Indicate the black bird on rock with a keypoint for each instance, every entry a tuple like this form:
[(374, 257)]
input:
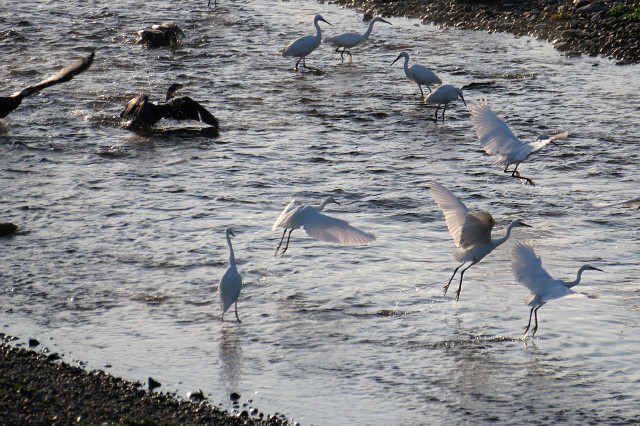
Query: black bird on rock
[(166, 34), (142, 113), (9, 103)]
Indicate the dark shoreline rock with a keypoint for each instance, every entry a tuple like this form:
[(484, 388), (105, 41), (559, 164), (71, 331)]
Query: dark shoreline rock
[(590, 27), (35, 390)]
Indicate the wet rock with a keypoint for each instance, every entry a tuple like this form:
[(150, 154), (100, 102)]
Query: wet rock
[(234, 396), (367, 17), (7, 228), (591, 8), (33, 343), (197, 395), (153, 383)]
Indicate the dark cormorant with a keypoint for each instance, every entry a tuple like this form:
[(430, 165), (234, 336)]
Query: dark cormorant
[(9, 103), (141, 113), (166, 34)]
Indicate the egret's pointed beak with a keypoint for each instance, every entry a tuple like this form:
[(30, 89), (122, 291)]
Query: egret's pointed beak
[(324, 20), (399, 56), (525, 225), (387, 22), (231, 233), (597, 269), (462, 97)]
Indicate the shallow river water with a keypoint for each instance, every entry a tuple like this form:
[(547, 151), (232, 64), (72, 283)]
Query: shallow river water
[(122, 234)]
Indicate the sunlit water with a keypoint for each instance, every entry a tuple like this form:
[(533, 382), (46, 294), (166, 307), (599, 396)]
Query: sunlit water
[(122, 241)]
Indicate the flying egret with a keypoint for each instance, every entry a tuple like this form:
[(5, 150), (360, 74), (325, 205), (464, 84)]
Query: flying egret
[(443, 95), (9, 103), (305, 45), (231, 282), (141, 113), (497, 139), (418, 74), (166, 34), (317, 225), (527, 267), (349, 40), (471, 231)]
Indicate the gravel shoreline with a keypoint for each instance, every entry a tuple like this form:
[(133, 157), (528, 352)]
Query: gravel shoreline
[(36, 388), (575, 27)]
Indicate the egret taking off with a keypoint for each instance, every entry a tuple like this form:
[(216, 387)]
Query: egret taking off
[(443, 95), (231, 282), (349, 40), (317, 225), (527, 267), (471, 231), (305, 45), (418, 74), (497, 139)]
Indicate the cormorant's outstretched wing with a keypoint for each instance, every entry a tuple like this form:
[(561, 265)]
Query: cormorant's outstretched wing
[(139, 112), (9, 103), (185, 108)]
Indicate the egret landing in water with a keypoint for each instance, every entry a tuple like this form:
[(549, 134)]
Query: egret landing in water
[(231, 282), (418, 74), (471, 231), (442, 96), (305, 45), (349, 40), (317, 225), (497, 139), (527, 267), (9, 103)]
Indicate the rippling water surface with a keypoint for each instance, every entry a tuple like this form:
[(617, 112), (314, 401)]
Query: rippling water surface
[(122, 241)]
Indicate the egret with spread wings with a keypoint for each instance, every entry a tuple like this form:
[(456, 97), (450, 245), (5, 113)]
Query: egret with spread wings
[(527, 267), (471, 231), (318, 225), (497, 139)]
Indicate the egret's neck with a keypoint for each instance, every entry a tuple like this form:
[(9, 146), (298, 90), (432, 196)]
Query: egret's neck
[(366, 34), (406, 63), (318, 32), (323, 205), (577, 281), (499, 241), (232, 258)]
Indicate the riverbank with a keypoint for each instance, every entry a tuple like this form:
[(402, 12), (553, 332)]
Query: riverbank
[(37, 388), (607, 28)]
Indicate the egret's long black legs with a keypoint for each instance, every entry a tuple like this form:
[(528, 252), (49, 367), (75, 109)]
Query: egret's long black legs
[(287, 246), (516, 174), (446, 287), (237, 317), (281, 240), (457, 293), (535, 314), (529, 324)]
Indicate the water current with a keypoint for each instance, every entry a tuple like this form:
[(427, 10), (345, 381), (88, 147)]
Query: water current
[(122, 233)]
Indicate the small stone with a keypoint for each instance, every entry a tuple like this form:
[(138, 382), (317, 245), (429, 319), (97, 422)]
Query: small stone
[(234, 396), (7, 228), (153, 383), (198, 395), (367, 17), (33, 343)]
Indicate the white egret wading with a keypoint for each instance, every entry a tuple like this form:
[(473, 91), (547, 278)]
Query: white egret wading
[(418, 74), (231, 282), (349, 40), (497, 139), (305, 45), (527, 267), (471, 231), (317, 225), (443, 95)]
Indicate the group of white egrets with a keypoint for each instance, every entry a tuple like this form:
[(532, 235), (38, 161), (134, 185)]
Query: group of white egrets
[(471, 230)]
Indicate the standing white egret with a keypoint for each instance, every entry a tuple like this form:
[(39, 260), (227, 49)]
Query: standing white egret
[(418, 74), (443, 95), (231, 282), (305, 45), (497, 139), (471, 231), (349, 40), (527, 267), (317, 225)]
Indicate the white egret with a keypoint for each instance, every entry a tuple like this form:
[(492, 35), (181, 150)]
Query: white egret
[(527, 267), (418, 74), (629, 203), (349, 40), (443, 95), (317, 225), (497, 139), (231, 282), (305, 45), (471, 231)]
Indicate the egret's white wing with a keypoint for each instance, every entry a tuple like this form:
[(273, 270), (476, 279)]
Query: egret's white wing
[(476, 229), (494, 134), (229, 288), (332, 230), (455, 213), (299, 46), (285, 215), (528, 270), (557, 292)]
